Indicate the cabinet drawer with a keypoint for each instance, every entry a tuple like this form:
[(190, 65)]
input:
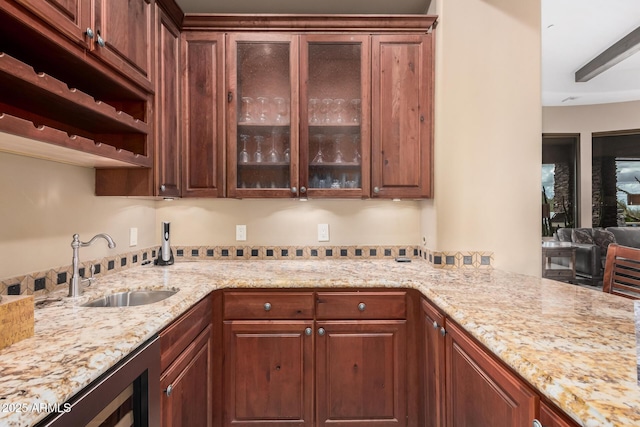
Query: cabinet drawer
[(361, 305), (268, 305), (177, 336)]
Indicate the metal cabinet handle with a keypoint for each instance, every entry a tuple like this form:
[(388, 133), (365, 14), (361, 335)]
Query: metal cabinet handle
[(229, 97), (163, 187), (443, 331), (422, 118), (307, 331), (435, 325), (100, 41), (321, 331), (267, 306), (294, 190), (303, 189), (536, 423), (89, 33), (376, 190), (362, 306), (169, 390)]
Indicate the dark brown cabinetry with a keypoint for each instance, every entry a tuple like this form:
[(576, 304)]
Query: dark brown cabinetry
[(402, 115), (203, 104), (342, 355), (187, 373), (433, 365), (551, 417)]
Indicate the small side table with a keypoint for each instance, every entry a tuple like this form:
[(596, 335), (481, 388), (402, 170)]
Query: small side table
[(553, 270)]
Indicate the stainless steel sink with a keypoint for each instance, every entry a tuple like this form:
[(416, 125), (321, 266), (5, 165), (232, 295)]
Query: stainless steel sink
[(131, 298)]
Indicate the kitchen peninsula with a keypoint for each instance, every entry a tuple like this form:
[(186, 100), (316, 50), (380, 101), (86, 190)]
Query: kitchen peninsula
[(575, 346)]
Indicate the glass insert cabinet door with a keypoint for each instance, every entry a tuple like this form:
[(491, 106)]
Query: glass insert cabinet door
[(263, 118), (334, 116)]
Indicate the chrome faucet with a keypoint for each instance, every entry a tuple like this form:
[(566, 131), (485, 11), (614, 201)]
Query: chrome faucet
[(74, 284)]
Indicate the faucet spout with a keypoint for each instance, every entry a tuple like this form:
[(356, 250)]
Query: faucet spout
[(74, 284)]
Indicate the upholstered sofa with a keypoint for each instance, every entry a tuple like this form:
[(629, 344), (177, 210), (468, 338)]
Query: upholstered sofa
[(591, 247)]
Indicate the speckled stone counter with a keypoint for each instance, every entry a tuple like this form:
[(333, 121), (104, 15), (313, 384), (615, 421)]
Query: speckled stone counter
[(576, 346)]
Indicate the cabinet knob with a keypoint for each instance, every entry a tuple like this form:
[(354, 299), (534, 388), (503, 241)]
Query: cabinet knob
[(435, 325), (321, 331), (362, 306), (89, 33), (422, 118), (537, 423), (100, 41), (303, 189), (229, 96), (163, 187), (307, 331), (443, 331), (376, 190), (294, 190), (267, 306), (169, 390)]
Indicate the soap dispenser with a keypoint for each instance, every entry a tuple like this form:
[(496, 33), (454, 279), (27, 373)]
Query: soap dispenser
[(165, 255)]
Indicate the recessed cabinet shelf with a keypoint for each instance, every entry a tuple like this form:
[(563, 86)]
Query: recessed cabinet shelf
[(66, 116)]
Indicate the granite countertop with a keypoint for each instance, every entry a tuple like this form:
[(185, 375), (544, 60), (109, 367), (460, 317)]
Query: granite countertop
[(577, 346)]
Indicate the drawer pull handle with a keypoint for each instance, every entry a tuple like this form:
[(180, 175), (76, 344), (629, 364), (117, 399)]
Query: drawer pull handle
[(321, 331), (267, 306), (307, 331), (443, 331), (362, 306), (169, 390), (537, 423), (435, 325)]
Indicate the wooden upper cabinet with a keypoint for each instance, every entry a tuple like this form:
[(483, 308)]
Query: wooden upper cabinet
[(167, 107), (262, 115), (72, 18), (402, 116), (203, 103), (126, 30)]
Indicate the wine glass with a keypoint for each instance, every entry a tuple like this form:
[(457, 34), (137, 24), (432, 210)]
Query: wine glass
[(273, 156), (338, 158), (314, 119), (325, 110), (257, 156), (243, 156), (355, 139), (338, 110), (319, 158), (356, 110), (247, 102), (264, 109), (281, 110)]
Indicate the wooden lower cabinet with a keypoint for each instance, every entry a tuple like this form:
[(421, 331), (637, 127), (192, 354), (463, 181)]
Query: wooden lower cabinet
[(268, 373), (361, 373), (187, 386), (433, 366)]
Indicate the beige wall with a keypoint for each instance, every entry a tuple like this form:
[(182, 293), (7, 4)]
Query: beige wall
[(585, 120), (291, 222), (488, 126), (45, 203)]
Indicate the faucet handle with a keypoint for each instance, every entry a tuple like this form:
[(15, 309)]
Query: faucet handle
[(89, 280)]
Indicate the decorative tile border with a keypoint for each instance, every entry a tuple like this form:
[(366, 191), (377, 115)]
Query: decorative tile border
[(43, 282)]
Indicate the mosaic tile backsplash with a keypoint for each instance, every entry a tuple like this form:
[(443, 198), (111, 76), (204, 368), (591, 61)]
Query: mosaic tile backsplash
[(43, 282)]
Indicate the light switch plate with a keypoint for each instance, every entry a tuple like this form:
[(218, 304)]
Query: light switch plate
[(323, 232), (133, 236), (241, 233)]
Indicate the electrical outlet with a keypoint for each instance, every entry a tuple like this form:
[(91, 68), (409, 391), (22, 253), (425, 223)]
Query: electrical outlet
[(241, 233), (133, 236), (323, 232)]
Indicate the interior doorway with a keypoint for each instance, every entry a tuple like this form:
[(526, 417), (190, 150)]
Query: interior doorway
[(560, 172)]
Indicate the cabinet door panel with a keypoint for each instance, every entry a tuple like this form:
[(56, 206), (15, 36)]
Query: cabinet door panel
[(187, 386), (167, 166), (361, 373), (433, 365), (268, 373), (480, 391), (126, 28), (70, 17), (550, 417), (401, 110), (202, 119)]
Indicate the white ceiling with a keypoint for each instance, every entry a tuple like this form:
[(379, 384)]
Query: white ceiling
[(573, 33)]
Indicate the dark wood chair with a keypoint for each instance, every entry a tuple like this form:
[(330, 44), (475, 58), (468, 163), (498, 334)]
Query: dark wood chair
[(622, 271)]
